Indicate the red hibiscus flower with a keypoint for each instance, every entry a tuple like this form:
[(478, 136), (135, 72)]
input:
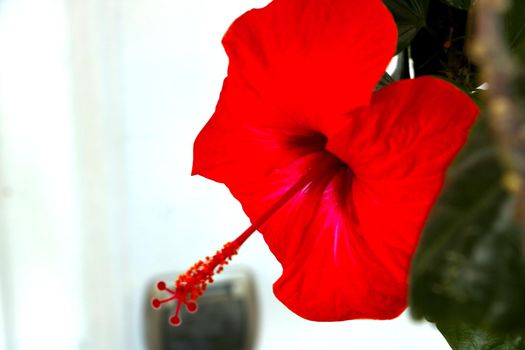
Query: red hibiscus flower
[(338, 179)]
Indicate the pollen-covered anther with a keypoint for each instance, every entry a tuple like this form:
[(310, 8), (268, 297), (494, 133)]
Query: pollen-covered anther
[(191, 285)]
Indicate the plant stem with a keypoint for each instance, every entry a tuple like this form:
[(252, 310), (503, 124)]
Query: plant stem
[(505, 109)]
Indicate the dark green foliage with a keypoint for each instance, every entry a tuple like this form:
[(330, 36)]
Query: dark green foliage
[(439, 48), (468, 275), (459, 4), (385, 80), (462, 337), (470, 266), (410, 18), (515, 28)]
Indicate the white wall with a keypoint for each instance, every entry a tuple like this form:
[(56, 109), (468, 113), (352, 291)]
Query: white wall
[(38, 192), (100, 101)]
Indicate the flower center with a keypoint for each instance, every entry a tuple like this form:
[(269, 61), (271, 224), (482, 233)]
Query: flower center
[(192, 284), (308, 142)]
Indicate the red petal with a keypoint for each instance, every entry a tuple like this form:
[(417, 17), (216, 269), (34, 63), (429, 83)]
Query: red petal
[(244, 140), (313, 57), (295, 66), (399, 149), (330, 271), (412, 129), (346, 252)]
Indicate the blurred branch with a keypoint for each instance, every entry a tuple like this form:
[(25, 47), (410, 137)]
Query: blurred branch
[(506, 113)]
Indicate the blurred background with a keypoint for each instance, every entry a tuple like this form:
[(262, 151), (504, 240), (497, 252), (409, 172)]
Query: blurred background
[(100, 101)]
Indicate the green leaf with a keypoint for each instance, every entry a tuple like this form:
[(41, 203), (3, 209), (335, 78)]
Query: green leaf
[(515, 31), (456, 84), (410, 17), (459, 4), (463, 337), (470, 265), (385, 80), (515, 28)]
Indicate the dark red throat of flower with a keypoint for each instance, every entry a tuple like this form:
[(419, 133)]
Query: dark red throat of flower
[(192, 284)]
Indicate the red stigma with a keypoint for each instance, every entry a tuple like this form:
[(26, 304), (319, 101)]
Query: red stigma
[(175, 321), (155, 303), (161, 285)]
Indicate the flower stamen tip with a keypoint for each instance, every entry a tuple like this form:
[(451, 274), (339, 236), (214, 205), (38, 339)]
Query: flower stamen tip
[(161, 285), (175, 321), (155, 303)]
